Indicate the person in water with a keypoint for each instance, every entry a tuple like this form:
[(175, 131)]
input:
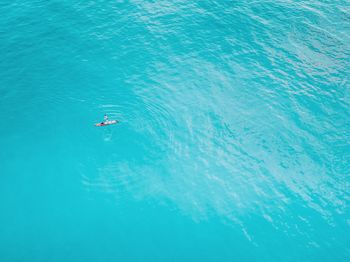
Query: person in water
[(105, 119)]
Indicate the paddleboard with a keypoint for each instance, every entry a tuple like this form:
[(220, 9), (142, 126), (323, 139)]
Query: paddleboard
[(106, 123)]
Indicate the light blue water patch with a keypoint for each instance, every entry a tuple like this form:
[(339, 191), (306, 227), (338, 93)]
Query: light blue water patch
[(233, 142)]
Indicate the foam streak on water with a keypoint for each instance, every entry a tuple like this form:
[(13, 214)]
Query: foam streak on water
[(233, 142)]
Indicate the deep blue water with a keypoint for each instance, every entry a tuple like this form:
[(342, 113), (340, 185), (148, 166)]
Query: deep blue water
[(234, 140)]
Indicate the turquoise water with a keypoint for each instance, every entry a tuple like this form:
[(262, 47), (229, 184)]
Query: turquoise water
[(234, 140)]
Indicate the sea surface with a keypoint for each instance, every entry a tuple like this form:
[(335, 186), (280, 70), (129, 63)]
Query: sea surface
[(234, 134)]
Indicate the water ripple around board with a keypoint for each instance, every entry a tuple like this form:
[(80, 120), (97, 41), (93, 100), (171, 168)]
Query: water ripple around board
[(220, 155)]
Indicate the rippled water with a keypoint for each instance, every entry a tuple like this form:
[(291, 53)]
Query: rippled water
[(234, 138)]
